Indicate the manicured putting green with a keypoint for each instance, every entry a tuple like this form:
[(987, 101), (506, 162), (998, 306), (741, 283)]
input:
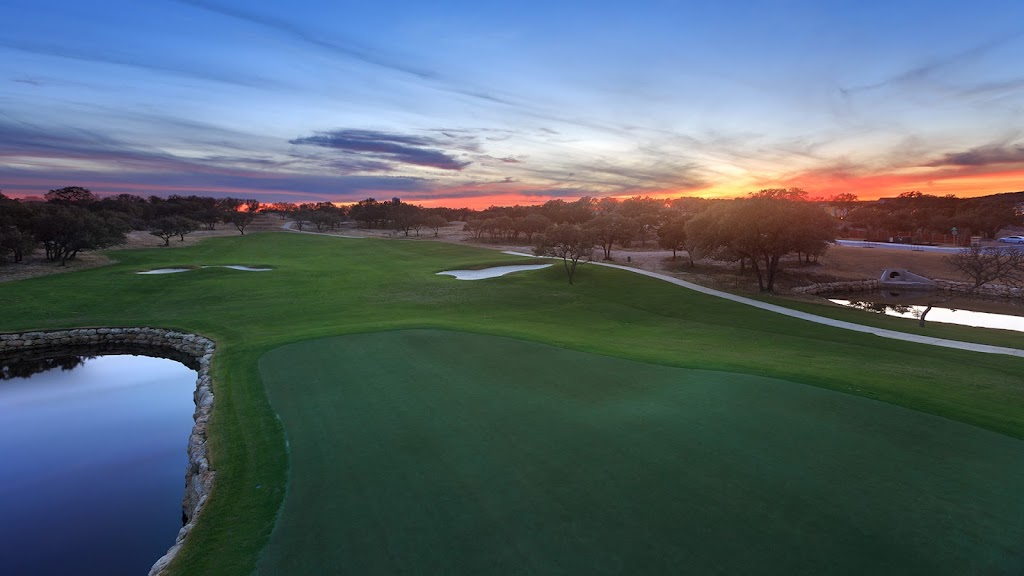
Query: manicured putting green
[(434, 452)]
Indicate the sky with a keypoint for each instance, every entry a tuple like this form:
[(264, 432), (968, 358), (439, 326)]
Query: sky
[(499, 103)]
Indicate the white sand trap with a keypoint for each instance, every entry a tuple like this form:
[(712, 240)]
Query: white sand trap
[(243, 268), (490, 272), (165, 271), (232, 266)]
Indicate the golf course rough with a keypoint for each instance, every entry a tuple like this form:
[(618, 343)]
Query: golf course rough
[(435, 452)]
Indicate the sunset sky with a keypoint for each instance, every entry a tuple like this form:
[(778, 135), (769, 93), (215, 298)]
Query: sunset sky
[(479, 103)]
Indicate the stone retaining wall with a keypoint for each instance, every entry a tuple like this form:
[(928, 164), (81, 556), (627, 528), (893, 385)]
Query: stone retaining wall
[(832, 287), (198, 475), (995, 291)]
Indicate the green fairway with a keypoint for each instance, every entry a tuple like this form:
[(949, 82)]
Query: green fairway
[(433, 452), (325, 287)]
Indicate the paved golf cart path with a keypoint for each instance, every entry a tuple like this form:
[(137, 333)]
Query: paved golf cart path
[(882, 332), (893, 334)]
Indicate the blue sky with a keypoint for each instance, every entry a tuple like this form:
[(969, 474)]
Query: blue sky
[(464, 103)]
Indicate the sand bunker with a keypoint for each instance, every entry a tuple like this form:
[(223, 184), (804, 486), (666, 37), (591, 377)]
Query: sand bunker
[(232, 266), (490, 272), (242, 268), (165, 271)]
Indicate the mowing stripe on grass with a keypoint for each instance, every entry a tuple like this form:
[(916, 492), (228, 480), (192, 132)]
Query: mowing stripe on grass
[(433, 452)]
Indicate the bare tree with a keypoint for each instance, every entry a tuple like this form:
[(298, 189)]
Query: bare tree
[(983, 266)]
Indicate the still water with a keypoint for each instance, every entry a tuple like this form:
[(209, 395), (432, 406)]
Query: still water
[(939, 314), (92, 464)]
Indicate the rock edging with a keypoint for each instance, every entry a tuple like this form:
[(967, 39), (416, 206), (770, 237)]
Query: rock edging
[(990, 290), (831, 287), (199, 475)]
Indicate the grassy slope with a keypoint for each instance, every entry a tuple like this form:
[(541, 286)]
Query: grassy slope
[(329, 286), (448, 453)]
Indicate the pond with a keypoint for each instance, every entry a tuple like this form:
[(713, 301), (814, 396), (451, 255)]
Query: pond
[(94, 457), (947, 313)]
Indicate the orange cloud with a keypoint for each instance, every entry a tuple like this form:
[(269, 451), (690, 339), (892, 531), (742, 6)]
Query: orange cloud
[(963, 182)]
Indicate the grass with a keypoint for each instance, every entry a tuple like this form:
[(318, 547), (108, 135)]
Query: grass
[(436, 452), (323, 287)]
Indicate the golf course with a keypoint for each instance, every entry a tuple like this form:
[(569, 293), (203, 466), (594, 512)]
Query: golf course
[(373, 417)]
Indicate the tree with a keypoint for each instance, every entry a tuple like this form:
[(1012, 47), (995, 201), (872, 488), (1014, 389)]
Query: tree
[(404, 217), (474, 227), (171, 226), (843, 203), (240, 213), (435, 222), (986, 215), (609, 229), (648, 213), (983, 266), (65, 230), (761, 229), (75, 195), (672, 235), (187, 226), (532, 224), (15, 229), (570, 243), (793, 194), (16, 242), (813, 231), (164, 229), (368, 213), (323, 219)]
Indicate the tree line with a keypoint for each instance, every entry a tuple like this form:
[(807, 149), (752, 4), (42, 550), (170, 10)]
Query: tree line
[(758, 230), (915, 214), (369, 213), (73, 219)]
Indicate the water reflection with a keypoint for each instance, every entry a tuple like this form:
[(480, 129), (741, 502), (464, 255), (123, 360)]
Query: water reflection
[(94, 454), (939, 314), (879, 307)]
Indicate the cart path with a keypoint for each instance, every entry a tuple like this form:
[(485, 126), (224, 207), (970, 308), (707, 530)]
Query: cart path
[(882, 332)]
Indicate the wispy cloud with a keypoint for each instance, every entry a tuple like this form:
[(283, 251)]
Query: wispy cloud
[(385, 146), (936, 65), (31, 81), (84, 54), (983, 156), (348, 49)]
